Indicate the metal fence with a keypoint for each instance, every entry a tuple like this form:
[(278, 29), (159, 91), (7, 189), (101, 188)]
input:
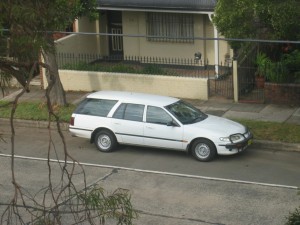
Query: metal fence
[(3, 45), (141, 65), (266, 62), (247, 90)]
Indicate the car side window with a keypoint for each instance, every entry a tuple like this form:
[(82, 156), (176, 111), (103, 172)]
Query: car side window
[(157, 115), (95, 107), (133, 112)]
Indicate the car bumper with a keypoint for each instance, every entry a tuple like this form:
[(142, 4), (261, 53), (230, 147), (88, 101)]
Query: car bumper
[(233, 148)]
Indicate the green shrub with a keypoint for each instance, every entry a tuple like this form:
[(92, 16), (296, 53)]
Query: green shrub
[(294, 218), (292, 63), (82, 66), (287, 70), (153, 69), (277, 72), (120, 68), (292, 60), (116, 68)]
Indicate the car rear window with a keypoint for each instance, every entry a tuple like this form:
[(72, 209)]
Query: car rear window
[(95, 107)]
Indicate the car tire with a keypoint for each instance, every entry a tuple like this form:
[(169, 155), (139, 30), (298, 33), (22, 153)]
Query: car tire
[(203, 150), (105, 141)]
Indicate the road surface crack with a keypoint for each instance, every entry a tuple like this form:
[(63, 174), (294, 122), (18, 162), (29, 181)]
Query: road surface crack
[(178, 218)]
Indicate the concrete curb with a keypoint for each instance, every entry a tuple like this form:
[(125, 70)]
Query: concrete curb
[(35, 124), (262, 144), (277, 146)]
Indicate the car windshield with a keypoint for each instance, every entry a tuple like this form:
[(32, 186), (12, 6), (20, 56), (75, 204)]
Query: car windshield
[(185, 112)]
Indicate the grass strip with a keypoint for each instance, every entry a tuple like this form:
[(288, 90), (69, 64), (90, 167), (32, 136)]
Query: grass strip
[(35, 111), (273, 131)]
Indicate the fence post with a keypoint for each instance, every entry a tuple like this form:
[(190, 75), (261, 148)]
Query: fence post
[(235, 81)]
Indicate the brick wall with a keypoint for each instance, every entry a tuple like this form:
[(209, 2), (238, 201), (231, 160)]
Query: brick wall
[(282, 93)]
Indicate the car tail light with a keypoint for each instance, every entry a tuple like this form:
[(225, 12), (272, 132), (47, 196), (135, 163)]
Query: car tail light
[(72, 121)]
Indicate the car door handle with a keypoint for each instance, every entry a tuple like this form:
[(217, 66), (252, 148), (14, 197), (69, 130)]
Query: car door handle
[(116, 123), (149, 127)]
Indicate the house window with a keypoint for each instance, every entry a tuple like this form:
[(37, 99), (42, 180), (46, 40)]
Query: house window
[(170, 27)]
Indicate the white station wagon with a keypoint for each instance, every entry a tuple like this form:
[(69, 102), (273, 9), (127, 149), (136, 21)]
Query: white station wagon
[(111, 117)]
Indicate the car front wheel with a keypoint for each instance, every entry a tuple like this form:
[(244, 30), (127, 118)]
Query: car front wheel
[(203, 150), (105, 141)]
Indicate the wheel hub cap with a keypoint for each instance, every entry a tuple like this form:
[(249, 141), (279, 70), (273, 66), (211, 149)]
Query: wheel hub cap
[(104, 141), (202, 151)]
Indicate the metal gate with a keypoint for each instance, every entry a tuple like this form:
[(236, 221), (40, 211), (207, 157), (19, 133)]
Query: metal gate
[(222, 85), (249, 90)]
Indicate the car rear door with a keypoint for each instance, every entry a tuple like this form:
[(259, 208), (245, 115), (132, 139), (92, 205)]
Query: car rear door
[(127, 123)]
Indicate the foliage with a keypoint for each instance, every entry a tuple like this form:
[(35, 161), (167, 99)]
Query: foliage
[(258, 19), (97, 201), (118, 68), (269, 18), (30, 25), (115, 67), (231, 19), (261, 61), (153, 69), (277, 72), (4, 81), (99, 204), (286, 70), (280, 21), (294, 218), (292, 63)]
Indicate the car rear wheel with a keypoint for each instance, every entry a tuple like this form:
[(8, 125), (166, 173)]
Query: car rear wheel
[(105, 141), (203, 150)]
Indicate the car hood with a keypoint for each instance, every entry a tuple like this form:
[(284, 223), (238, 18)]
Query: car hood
[(220, 126)]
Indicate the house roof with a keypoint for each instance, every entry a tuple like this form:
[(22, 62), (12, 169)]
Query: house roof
[(174, 5)]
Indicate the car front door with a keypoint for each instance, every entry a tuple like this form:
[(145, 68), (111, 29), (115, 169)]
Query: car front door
[(160, 129)]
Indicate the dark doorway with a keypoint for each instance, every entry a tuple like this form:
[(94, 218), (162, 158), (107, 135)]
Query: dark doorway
[(115, 27)]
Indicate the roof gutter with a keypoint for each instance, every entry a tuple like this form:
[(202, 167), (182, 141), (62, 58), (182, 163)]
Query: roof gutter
[(155, 10)]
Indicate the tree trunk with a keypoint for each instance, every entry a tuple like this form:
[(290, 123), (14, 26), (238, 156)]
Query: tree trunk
[(55, 88)]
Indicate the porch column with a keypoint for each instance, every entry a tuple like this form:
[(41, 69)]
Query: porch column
[(216, 46)]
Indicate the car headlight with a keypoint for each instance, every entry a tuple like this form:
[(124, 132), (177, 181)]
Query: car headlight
[(232, 138), (225, 139)]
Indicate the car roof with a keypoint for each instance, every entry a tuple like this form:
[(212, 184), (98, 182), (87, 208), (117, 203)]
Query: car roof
[(134, 97)]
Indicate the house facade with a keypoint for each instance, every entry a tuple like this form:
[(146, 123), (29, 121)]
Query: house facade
[(179, 29)]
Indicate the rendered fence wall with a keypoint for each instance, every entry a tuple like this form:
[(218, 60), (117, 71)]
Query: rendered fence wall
[(182, 87)]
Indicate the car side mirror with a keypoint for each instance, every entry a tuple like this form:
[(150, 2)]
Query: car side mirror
[(172, 123)]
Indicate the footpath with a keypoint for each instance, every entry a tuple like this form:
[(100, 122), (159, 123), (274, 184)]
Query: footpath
[(218, 107)]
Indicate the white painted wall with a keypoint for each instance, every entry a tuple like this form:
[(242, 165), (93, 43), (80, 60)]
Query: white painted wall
[(135, 23), (81, 43), (182, 87)]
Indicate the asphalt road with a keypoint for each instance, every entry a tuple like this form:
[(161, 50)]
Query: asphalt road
[(169, 187), (254, 165)]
